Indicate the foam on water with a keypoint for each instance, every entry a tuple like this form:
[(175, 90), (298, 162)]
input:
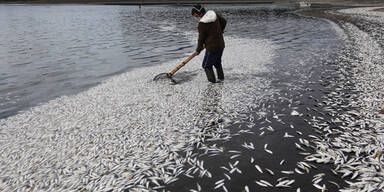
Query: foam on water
[(127, 130)]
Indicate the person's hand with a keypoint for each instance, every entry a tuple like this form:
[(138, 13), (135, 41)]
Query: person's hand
[(197, 53)]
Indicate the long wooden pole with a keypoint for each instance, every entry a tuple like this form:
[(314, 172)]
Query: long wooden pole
[(182, 64)]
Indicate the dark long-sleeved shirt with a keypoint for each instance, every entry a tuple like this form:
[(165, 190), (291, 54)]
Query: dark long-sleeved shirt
[(211, 27)]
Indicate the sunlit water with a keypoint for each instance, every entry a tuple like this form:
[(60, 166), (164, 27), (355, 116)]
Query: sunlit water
[(49, 51)]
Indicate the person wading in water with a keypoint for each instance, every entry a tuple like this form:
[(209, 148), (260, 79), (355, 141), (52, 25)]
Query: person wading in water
[(211, 28)]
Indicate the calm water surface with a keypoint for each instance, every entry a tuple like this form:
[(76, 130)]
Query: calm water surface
[(48, 51)]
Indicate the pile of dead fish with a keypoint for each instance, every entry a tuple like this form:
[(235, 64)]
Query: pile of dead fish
[(353, 141), (128, 132)]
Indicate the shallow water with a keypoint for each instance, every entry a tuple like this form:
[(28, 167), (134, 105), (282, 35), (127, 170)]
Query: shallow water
[(97, 134), (49, 51), (305, 46)]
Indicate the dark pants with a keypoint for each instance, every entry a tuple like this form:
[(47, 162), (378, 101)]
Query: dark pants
[(212, 59)]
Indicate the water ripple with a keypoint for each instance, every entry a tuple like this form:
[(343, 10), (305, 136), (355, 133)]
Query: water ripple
[(67, 47)]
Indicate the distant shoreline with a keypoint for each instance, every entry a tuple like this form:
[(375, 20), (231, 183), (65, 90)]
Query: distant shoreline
[(379, 10), (143, 2), (315, 3)]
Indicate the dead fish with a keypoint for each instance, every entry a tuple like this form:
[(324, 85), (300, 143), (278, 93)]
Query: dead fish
[(287, 135), (269, 171), (295, 113), (198, 187), (227, 176), (317, 180), (225, 168), (334, 183), (219, 185), (298, 171), (259, 169), (322, 188), (288, 172), (219, 181), (285, 183), (246, 188), (355, 174), (267, 150), (264, 183), (224, 188), (261, 184), (234, 156), (270, 128), (299, 147), (248, 146), (346, 173)]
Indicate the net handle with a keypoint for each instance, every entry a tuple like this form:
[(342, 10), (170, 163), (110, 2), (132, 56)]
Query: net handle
[(182, 64)]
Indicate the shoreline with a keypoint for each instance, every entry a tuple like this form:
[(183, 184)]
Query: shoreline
[(117, 2)]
